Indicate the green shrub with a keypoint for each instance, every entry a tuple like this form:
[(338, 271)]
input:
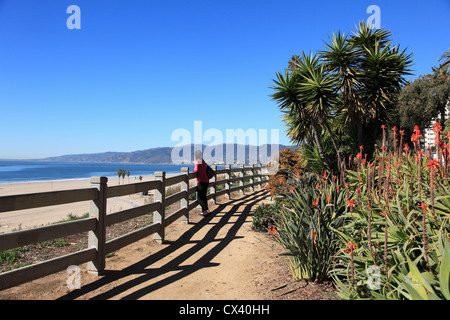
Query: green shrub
[(264, 217)]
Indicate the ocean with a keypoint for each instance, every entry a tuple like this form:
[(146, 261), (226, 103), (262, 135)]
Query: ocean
[(32, 170)]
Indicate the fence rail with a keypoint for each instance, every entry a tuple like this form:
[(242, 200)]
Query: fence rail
[(98, 220)]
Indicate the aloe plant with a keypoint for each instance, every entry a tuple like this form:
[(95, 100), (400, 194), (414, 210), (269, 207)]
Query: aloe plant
[(305, 224), (401, 227)]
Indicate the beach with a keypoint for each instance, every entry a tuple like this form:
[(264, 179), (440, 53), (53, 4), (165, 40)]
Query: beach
[(30, 218)]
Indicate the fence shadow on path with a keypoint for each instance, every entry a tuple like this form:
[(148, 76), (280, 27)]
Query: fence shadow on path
[(240, 207)]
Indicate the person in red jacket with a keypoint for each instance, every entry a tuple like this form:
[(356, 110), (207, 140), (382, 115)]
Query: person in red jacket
[(202, 182)]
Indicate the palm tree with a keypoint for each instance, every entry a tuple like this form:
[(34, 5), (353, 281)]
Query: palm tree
[(446, 64), (123, 175), (119, 173), (355, 79), (305, 95), (370, 72), (320, 94)]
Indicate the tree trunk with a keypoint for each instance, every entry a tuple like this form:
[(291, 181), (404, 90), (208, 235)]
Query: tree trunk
[(319, 147), (334, 145), (360, 133)]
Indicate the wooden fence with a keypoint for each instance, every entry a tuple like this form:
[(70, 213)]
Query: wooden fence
[(98, 220)]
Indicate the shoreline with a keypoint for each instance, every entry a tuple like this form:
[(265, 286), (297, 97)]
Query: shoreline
[(37, 186), (36, 217)]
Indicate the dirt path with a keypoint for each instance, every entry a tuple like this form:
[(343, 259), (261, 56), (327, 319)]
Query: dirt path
[(213, 257)]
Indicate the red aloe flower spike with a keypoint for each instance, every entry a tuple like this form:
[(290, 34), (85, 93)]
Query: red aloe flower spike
[(433, 165), (314, 234), (394, 129), (402, 133), (423, 206), (369, 230), (419, 173), (385, 242), (351, 247), (351, 204), (315, 202), (424, 231), (416, 129)]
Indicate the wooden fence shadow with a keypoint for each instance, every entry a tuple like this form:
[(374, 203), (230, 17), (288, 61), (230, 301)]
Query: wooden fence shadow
[(244, 204)]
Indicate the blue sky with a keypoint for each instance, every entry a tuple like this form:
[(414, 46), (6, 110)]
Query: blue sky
[(138, 70)]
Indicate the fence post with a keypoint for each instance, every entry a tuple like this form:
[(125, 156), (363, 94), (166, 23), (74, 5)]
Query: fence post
[(252, 179), (241, 182), (258, 173), (159, 216), (227, 178), (185, 201), (213, 188), (255, 179), (97, 237)]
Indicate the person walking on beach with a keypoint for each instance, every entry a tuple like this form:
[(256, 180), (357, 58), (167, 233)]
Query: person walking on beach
[(202, 182)]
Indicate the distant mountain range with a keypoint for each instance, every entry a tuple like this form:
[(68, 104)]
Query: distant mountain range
[(218, 154)]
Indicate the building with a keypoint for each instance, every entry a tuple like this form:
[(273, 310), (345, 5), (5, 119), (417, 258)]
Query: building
[(429, 134)]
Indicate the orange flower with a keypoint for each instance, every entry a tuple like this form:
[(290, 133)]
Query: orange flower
[(315, 202), (351, 204), (416, 137), (423, 206), (433, 164), (314, 234), (351, 247), (328, 198), (273, 231), (437, 127), (406, 148)]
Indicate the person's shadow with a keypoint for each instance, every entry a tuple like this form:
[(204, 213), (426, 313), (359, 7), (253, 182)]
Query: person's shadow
[(245, 204)]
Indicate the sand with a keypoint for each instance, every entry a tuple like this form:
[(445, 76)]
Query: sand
[(30, 218)]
